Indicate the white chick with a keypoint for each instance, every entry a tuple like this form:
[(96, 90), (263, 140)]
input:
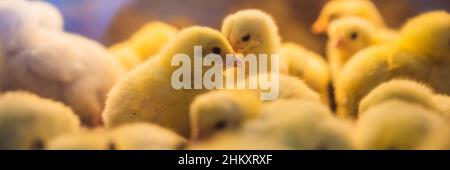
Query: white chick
[(421, 54), (146, 94), (29, 122), (347, 36), (53, 64), (399, 125)]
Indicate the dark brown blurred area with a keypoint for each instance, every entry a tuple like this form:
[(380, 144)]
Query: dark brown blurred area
[(294, 17)]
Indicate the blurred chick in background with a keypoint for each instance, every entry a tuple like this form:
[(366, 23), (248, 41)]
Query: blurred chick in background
[(336, 9), (255, 32), (29, 122), (146, 94), (49, 16), (143, 44), (421, 53), (54, 64), (347, 36), (399, 125)]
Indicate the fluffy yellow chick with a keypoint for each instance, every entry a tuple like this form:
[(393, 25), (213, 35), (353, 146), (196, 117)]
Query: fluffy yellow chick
[(341, 8), (308, 65), (347, 36), (396, 124), (255, 32), (421, 53), (302, 124), (400, 89), (29, 122), (222, 109), (96, 139), (443, 103), (145, 43), (144, 136), (146, 93), (125, 55)]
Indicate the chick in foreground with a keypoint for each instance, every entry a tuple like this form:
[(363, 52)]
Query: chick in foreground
[(255, 32), (96, 139), (145, 136), (146, 94), (336, 9), (421, 53), (29, 122), (143, 44), (399, 125), (49, 15), (54, 64), (347, 36)]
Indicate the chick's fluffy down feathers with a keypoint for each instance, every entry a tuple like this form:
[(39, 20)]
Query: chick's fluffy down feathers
[(27, 120)]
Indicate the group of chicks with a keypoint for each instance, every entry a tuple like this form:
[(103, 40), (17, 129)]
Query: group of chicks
[(59, 90)]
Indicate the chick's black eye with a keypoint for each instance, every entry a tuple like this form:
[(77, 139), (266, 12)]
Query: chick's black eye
[(245, 38), (220, 125), (216, 50), (354, 35)]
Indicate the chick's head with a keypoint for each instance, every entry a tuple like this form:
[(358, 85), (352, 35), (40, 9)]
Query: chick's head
[(350, 33), (427, 34), (220, 110), (252, 32), (342, 8), (208, 40)]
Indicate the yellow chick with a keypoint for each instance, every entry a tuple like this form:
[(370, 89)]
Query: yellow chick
[(146, 93), (144, 136), (29, 122), (255, 32), (399, 125), (96, 139), (143, 44), (400, 89), (222, 109), (347, 36), (308, 65), (125, 56), (443, 104), (336, 9), (421, 53), (302, 124)]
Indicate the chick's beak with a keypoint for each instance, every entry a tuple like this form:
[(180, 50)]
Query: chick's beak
[(319, 26)]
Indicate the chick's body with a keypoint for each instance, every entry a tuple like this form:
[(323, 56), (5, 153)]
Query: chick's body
[(144, 44), (146, 94), (408, 126), (54, 64), (29, 122), (420, 54)]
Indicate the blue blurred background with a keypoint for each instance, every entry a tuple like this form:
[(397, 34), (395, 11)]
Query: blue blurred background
[(111, 21)]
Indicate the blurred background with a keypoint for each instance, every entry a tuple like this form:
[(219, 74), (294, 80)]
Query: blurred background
[(111, 21)]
